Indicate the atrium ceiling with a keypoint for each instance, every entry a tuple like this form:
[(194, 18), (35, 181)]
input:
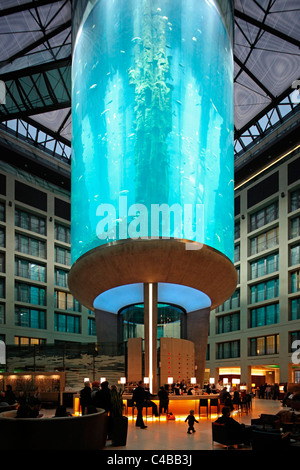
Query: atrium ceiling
[(36, 60)]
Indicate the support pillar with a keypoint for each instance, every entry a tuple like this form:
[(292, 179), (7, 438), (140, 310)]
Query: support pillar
[(150, 322), (197, 331)]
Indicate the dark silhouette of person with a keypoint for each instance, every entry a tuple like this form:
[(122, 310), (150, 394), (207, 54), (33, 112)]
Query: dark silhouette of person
[(61, 412), (191, 420), (148, 403), (231, 424), (23, 411), (163, 400), (102, 397), (138, 398), (85, 397), (9, 395)]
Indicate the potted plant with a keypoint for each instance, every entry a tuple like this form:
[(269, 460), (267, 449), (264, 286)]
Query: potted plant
[(118, 422)]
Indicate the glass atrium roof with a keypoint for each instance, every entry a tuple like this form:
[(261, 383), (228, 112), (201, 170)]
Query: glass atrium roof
[(35, 64)]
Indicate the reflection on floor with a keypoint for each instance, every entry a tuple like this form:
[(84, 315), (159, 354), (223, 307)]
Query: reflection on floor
[(172, 435)]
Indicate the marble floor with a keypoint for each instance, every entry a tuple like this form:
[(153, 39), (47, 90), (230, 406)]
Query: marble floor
[(172, 435)]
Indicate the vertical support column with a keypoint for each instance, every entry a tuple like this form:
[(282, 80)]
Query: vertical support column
[(150, 322), (197, 331)]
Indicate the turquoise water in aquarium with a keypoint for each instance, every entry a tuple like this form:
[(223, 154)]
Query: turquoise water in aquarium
[(152, 123)]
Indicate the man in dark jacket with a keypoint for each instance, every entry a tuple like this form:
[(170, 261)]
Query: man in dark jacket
[(138, 399), (85, 397), (103, 397)]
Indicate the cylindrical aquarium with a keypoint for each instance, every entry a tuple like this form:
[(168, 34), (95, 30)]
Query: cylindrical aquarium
[(152, 122)]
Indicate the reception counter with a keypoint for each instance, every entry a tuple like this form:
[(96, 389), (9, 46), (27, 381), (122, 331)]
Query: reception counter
[(180, 406)]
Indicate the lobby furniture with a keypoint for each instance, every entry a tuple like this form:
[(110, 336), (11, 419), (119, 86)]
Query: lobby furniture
[(86, 432), (270, 440), (50, 399), (214, 403), (294, 402), (3, 409), (227, 437), (267, 421), (203, 403)]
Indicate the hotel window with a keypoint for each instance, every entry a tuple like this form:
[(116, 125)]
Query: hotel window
[(30, 294), (295, 227), (266, 315), (238, 274), (30, 222), (62, 233), (30, 246), (66, 323), (295, 200), (2, 212), (30, 318), (228, 350), (2, 314), (295, 281), (228, 323), (91, 327), (236, 253), (208, 352), (66, 301), (61, 278), (62, 256), (232, 303), (237, 230), (23, 341), (2, 262), (264, 345), (264, 216), (264, 241), (294, 255), (264, 291), (263, 266), (2, 237), (295, 309), (30, 270), (2, 288)]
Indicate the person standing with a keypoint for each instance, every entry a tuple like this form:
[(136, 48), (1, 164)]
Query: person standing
[(9, 396), (163, 400), (103, 397), (85, 397), (138, 398)]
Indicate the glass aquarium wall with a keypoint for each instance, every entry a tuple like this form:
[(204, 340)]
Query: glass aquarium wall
[(152, 123)]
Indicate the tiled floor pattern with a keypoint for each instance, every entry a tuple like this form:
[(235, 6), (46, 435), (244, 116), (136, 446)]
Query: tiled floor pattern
[(172, 435)]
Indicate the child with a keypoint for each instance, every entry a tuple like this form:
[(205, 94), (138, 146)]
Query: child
[(191, 420)]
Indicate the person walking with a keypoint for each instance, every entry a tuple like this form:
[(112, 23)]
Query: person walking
[(191, 420), (138, 398)]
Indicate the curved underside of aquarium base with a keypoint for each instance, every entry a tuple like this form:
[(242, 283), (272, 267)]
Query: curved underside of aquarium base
[(174, 261)]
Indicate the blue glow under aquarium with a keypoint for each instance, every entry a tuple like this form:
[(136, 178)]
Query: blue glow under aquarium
[(152, 120)]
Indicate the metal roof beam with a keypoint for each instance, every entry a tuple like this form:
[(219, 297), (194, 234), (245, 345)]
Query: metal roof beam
[(22, 114), (25, 6), (265, 27), (36, 69), (37, 43), (277, 101), (253, 77)]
